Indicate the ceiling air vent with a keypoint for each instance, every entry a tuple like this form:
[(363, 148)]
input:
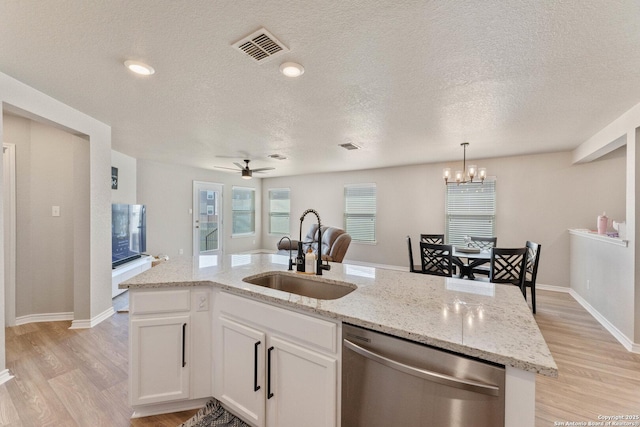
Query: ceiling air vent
[(350, 146), (277, 156), (261, 45)]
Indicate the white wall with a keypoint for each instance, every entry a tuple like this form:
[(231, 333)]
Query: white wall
[(91, 236), (44, 177), (127, 178), (167, 192), (539, 197)]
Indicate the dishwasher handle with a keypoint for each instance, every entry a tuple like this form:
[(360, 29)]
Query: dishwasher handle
[(463, 384)]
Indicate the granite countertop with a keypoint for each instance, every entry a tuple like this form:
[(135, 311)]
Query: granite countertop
[(484, 320)]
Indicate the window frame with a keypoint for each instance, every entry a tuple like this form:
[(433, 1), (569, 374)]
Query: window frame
[(273, 214), (483, 210), (252, 211), (355, 238)]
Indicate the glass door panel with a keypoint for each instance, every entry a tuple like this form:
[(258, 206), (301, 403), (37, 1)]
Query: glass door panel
[(207, 216)]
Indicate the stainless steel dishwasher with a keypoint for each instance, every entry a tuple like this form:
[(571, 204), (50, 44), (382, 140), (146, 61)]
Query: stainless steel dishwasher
[(388, 381)]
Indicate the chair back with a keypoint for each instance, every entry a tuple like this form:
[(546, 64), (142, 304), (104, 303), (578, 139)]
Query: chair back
[(436, 239), (508, 266), (483, 243), (533, 258), (436, 259), (411, 268)]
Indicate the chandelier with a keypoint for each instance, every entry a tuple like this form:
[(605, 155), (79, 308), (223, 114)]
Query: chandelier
[(467, 174)]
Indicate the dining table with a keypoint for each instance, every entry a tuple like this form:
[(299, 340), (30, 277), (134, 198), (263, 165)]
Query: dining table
[(469, 258)]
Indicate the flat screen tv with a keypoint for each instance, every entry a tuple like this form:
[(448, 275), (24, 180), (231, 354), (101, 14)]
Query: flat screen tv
[(128, 233)]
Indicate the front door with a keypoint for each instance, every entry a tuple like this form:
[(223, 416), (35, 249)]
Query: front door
[(207, 218)]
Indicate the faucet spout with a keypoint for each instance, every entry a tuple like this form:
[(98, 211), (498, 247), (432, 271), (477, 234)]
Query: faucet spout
[(319, 257), (290, 254)]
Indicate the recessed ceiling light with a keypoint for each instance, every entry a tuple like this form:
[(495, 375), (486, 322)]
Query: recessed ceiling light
[(139, 68), (291, 69)]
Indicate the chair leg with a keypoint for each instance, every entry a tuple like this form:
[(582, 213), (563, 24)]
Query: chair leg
[(533, 299)]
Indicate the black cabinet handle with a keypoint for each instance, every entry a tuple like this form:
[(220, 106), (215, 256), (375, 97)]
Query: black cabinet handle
[(184, 338), (269, 394), (256, 387)]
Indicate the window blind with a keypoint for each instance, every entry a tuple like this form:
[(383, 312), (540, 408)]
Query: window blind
[(279, 211), (470, 211), (243, 211), (360, 212)]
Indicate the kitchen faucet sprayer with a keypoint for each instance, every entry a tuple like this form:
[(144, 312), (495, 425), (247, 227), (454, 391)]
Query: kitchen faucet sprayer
[(300, 258)]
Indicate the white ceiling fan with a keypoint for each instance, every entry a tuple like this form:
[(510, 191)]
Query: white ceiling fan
[(247, 173)]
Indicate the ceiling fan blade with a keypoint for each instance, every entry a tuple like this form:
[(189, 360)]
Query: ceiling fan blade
[(238, 165), (222, 167), (262, 169)]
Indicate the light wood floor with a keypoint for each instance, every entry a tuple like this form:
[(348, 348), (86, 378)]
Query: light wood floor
[(79, 377)]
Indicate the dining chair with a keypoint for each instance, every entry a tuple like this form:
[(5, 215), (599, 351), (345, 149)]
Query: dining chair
[(436, 259), (412, 267), (508, 265), (484, 244), (436, 239), (531, 272)]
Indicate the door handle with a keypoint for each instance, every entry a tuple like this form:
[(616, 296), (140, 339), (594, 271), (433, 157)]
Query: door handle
[(269, 394), (256, 387), (436, 377), (184, 338)]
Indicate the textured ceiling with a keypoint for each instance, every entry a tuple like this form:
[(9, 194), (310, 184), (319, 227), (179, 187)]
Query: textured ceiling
[(406, 80)]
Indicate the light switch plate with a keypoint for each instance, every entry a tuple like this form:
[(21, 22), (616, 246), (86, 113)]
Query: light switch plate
[(55, 210)]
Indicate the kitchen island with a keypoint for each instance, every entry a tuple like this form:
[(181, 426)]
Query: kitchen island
[(481, 320)]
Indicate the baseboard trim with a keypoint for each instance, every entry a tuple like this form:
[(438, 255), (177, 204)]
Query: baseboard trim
[(613, 330), (5, 376), (166, 408), (90, 323), (43, 317), (376, 265)]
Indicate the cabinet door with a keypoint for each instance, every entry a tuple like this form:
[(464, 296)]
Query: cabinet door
[(303, 384), (239, 369), (158, 349)]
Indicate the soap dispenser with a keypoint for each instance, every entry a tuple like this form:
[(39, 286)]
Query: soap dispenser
[(310, 261), (300, 259)]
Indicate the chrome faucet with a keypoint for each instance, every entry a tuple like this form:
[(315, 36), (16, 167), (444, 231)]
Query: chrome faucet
[(290, 254), (300, 255)]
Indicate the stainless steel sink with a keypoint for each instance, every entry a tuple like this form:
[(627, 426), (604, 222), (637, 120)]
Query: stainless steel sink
[(299, 284)]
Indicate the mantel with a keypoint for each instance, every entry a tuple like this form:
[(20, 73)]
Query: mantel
[(599, 237)]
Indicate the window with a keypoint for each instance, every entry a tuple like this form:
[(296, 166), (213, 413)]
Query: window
[(360, 212), (470, 211), (279, 211), (243, 210)]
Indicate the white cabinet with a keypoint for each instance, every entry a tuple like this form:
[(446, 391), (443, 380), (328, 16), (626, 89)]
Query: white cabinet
[(275, 367), (158, 358), (169, 347), (303, 386)]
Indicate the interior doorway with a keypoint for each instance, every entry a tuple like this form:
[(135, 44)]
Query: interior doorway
[(9, 204), (207, 218)]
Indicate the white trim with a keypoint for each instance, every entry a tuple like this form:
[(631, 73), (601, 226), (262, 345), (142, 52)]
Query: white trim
[(87, 324), (10, 255), (553, 288), (169, 407), (376, 265), (43, 317), (599, 237), (5, 376), (617, 334)]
